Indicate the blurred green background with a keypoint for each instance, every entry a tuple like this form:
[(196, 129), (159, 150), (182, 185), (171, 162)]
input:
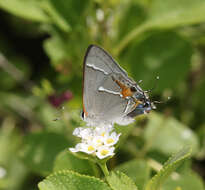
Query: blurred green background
[(42, 45)]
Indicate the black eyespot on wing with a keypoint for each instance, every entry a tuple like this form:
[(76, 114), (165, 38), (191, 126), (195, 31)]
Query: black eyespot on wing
[(82, 114)]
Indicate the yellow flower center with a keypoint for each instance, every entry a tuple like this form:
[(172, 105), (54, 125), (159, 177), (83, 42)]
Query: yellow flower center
[(103, 134), (91, 148), (109, 141), (99, 142), (104, 152)]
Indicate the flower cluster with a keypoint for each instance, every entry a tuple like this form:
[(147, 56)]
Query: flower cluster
[(98, 141)]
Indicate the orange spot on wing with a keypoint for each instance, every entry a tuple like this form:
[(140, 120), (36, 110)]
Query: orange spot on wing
[(126, 91), (122, 86), (85, 112)]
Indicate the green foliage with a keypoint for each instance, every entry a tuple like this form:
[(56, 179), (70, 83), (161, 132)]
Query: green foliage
[(66, 160), (70, 180), (173, 13), (119, 181), (26, 9), (42, 45), (9, 161), (188, 181), (40, 150), (169, 132), (55, 16), (169, 14), (71, 11), (55, 49), (156, 182), (137, 170), (170, 51)]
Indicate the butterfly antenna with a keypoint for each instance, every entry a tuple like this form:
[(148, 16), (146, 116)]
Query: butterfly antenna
[(155, 85), (162, 102)]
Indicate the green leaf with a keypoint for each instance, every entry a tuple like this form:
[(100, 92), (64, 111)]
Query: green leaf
[(10, 143), (19, 72), (160, 55), (187, 181), (119, 181), (66, 160), (125, 131), (199, 94), (131, 14), (9, 137), (137, 170), (40, 150), (27, 9), (170, 133), (19, 103), (201, 134), (55, 48), (15, 176), (70, 11), (68, 180), (173, 13), (55, 16), (166, 14), (156, 182)]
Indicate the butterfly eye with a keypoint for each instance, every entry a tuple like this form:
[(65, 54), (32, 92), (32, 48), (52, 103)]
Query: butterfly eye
[(133, 89), (146, 104)]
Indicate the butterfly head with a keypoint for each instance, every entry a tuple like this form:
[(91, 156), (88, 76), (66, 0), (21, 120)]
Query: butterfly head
[(143, 103)]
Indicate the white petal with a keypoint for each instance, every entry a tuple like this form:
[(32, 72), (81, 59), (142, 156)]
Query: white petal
[(77, 148), (87, 148), (77, 131), (73, 150), (112, 139), (104, 152), (98, 141), (86, 133), (103, 131)]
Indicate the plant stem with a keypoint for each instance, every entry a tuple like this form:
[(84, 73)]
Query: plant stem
[(156, 166), (103, 167), (129, 37)]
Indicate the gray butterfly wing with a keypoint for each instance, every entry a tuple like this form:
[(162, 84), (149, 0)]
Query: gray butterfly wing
[(102, 101)]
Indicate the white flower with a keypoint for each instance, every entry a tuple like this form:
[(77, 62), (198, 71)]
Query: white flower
[(84, 133), (112, 139), (77, 131), (98, 141), (102, 131), (77, 148), (87, 148), (83, 147), (105, 151)]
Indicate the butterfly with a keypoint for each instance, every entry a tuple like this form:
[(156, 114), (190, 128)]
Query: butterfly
[(109, 94)]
